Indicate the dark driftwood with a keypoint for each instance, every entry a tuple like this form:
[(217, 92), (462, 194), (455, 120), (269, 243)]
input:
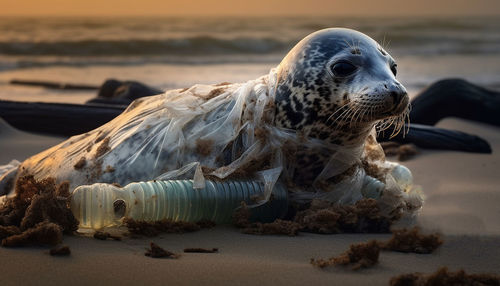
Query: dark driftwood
[(57, 118), (430, 137), (113, 91), (457, 98), (72, 119), (55, 85), (453, 97)]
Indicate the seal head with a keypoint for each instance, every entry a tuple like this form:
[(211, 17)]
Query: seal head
[(336, 84)]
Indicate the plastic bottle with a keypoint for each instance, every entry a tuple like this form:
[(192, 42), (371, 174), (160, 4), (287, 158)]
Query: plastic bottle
[(403, 177), (373, 188), (101, 205)]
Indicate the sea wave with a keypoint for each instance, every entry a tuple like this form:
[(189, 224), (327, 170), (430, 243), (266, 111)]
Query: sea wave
[(24, 62), (208, 45), (130, 41), (200, 45)]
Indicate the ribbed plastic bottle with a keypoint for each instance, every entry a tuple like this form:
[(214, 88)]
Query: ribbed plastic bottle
[(101, 205)]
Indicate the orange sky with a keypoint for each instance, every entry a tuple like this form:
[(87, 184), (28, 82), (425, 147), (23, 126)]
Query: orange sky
[(253, 7)]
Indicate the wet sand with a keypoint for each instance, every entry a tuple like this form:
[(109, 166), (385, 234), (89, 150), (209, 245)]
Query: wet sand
[(463, 196)]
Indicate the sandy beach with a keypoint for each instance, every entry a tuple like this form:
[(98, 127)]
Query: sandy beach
[(462, 196)]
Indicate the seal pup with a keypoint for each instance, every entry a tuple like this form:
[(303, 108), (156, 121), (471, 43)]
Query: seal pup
[(310, 120)]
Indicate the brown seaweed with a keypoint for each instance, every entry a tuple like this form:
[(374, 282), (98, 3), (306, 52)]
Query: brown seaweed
[(155, 251), (283, 227), (241, 219), (37, 207), (60, 251), (411, 240), (6, 231), (407, 151), (162, 226), (201, 250), (103, 148), (327, 218), (44, 233), (361, 255), (50, 207), (82, 162), (404, 152), (445, 277), (241, 216)]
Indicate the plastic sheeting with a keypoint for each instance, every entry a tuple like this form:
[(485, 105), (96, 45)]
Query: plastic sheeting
[(217, 131)]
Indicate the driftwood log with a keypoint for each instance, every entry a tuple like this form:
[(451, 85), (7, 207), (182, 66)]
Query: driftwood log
[(113, 91), (452, 97), (57, 118), (430, 137), (456, 98), (53, 85)]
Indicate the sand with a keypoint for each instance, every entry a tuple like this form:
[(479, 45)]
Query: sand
[(463, 195)]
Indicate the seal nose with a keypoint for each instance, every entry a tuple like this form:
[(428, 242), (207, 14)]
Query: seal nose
[(396, 91), (397, 97)]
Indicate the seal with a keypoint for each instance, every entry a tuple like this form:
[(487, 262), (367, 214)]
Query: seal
[(310, 122), (336, 85)]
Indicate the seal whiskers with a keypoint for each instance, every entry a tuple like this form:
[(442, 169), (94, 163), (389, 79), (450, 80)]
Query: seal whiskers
[(400, 122)]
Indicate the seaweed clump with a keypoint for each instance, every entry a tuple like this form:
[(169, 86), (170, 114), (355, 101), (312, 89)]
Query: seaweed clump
[(328, 218), (60, 251), (365, 255), (403, 152), (6, 231), (201, 250), (39, 213), (445, 277), (163, 226), (321, 217), (361, 255), (241, 216), (44, 233), (82, 162), (103, 148), (411, 240), (241, 219), (155, 251), (278, 226)]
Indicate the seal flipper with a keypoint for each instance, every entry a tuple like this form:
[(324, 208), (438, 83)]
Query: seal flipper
[(438, 138), (8, 175)]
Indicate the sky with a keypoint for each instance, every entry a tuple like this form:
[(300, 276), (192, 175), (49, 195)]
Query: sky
[(251, 8)]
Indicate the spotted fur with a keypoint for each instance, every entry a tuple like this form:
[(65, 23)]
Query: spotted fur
[(342, 111)]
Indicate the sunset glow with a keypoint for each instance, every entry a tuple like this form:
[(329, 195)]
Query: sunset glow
[(255, 7)]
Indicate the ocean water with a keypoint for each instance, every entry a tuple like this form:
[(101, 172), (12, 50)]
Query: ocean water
[(178, 52)]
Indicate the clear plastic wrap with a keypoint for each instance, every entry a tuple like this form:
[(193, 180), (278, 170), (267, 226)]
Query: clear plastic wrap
[(217, 131)]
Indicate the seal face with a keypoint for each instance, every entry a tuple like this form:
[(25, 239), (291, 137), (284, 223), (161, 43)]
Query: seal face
[(335, 85)]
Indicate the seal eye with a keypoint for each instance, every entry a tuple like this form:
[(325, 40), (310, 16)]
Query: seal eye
[(393, 69), (343, 69)]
